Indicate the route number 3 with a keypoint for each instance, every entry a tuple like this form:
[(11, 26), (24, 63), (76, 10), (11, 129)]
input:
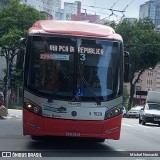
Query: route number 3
[(82, 57)]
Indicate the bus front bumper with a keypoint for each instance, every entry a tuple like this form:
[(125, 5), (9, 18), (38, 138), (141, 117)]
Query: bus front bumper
[(36, 125)]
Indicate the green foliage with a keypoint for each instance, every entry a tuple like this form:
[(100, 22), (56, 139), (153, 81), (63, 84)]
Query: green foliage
[(125, 96), (18, 77), (15, 106), (11, 38), (143, 43), (15, 20)]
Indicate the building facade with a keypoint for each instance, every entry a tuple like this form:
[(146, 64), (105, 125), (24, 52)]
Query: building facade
[(53, 10), (69, 9), (49, 7), (78, 16), (151, 9), (148, 81)]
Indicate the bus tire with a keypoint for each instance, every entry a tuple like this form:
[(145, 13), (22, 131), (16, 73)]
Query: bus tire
[(99, 140), (36, 138)]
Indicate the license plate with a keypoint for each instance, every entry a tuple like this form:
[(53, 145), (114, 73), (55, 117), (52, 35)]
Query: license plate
[(156, 119), (73, 134)]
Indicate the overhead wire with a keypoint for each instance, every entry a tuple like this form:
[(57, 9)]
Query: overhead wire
[(114, 4), (123, 15), (111, 9), (128, 5)]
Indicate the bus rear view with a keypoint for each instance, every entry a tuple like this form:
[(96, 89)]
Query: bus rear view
[(73, 81)]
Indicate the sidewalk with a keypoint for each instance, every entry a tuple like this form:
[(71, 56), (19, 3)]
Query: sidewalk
[(14, 113)]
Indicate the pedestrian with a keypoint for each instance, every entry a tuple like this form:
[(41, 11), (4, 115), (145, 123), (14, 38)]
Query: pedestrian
[(3, 110)]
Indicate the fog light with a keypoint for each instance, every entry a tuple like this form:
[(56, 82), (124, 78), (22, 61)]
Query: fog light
[(36, 109), (110, 114)]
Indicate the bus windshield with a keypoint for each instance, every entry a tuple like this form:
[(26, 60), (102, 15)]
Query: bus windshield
[(74, 68)]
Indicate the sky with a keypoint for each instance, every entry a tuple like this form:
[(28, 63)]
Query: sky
[(100, 7)]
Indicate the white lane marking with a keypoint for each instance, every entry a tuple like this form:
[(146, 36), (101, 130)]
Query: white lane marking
[(118, 149), (132, 126), (127, 125), (141, 126)]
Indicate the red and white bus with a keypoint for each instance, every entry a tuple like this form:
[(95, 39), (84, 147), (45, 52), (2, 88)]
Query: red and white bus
[(73, 80)]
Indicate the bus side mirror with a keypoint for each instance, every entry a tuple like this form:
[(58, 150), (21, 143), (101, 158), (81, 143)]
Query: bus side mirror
[(127, 67), (23, 41)]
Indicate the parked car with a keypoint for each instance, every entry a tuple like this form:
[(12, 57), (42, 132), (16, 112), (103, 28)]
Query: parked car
[(151, 111), (134, 112)]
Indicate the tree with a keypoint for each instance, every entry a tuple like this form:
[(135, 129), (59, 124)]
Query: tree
[(15, 20), (125, 96), (143, 44)]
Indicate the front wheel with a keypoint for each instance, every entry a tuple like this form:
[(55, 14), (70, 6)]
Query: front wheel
[(37, 138), (98, 140)]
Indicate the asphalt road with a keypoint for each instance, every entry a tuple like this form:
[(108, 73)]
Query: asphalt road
[(134, 137)]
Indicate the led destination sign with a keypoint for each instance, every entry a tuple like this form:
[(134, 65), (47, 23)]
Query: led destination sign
[(62, 48), (60, 52), (71, 49)]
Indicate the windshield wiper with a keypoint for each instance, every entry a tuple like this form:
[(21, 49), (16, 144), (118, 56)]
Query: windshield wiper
[(58, 86), (91, 90)]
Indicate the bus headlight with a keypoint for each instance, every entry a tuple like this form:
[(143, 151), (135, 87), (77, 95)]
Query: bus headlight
[(113, 112), (33, 108), (29, 106)]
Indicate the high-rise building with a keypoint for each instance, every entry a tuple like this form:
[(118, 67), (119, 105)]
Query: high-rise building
[(71, 9), (50, 7), (73, 12), (151, 9)]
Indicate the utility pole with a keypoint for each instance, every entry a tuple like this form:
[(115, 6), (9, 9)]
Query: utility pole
[(8, 60), (85, 13)]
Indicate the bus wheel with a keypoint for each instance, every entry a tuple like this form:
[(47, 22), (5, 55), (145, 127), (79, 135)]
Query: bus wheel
[(37, 138), (99, 140)]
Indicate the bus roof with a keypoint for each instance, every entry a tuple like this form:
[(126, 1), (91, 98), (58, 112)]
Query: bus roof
[(73, 28)]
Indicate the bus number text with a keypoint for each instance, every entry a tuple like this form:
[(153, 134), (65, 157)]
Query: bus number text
[(96, 113)]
